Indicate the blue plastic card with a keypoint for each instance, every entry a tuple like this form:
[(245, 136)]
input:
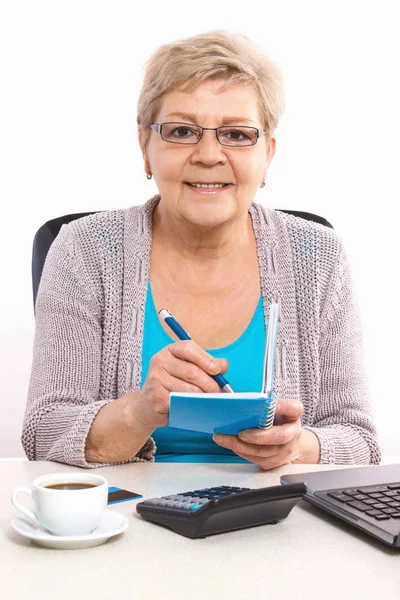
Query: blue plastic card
[(116, 494)]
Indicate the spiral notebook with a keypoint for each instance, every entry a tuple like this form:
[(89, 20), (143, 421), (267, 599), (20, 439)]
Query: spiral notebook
[(231, 413), (221, 413)]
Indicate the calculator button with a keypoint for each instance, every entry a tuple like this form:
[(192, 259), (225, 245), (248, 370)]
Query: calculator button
[(173, 497)]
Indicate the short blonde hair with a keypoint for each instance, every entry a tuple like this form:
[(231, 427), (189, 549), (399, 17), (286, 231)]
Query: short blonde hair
[(185, 64)]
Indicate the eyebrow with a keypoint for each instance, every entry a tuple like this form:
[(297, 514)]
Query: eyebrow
[(193, 118)]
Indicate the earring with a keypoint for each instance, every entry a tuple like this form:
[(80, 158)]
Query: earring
[(262, 185), (149, 175)]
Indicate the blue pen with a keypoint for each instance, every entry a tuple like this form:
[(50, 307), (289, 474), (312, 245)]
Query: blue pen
[(182, 335)]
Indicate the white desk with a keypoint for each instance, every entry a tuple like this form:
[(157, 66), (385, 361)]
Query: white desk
[(308, 555)]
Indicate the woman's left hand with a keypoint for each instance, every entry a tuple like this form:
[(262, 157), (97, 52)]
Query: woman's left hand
[(285, 442)]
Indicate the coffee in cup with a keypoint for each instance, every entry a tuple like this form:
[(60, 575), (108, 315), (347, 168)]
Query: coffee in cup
[(65, 503)]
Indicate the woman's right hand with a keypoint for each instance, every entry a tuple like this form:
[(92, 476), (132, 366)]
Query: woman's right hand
[(179, 367)]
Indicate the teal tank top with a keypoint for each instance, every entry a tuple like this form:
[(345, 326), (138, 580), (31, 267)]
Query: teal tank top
[(245, 374)]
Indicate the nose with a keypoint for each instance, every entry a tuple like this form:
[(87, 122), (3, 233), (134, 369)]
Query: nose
[(208, 151)]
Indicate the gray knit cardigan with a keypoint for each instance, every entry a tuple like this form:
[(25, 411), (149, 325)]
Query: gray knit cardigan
[(89, 331)]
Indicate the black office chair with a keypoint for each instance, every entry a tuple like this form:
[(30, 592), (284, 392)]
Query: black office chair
[(48, 232)]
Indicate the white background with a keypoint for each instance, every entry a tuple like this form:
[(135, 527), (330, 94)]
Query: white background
[(70, 74)]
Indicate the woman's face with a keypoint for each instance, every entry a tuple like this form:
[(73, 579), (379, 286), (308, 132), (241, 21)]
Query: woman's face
[(176, 167)]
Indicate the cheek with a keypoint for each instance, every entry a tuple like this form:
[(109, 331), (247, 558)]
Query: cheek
[(249, 170)]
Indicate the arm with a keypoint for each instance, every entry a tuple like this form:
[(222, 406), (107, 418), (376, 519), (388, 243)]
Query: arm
[(64, 392), (343, 422)]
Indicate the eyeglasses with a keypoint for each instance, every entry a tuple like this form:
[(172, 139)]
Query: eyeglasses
[(186, 133)]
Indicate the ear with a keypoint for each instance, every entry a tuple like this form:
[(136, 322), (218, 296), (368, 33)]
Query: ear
[(271, 149), (271, 146), (144, 153)]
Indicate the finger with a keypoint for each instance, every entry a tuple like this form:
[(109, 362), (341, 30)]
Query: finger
[(176, 384), (232, 442), (276, 435), (265, 463), (191, 352), (223, 363), (290, 408), (191, 374)]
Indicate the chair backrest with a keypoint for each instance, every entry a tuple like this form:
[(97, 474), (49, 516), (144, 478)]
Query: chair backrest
[(48, 232)]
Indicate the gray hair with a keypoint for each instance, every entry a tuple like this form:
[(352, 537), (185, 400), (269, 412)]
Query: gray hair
[(187, 63)]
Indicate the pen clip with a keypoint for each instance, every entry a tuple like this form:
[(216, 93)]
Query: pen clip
[(270, 348)]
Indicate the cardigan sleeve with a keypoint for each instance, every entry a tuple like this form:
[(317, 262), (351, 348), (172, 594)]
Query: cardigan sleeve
[(63, 396), (343, 421)]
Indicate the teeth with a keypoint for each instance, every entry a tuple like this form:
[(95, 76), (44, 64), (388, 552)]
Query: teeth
[(208, 185)]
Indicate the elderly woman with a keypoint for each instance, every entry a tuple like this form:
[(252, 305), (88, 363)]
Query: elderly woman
[(104, 365)]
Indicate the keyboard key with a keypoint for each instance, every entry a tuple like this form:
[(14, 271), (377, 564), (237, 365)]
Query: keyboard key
[(395, 515), (394, 504), (359, 505), (394, 486), (382, 517), (389, 511), (373, 513), (338, 496), (351, 492), (384, 499), (376, 495), (391, 493), (378, 505), (371, 489), (360, 497), (370, 501)]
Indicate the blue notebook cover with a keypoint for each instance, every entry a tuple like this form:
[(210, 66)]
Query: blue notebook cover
[(221, 413)]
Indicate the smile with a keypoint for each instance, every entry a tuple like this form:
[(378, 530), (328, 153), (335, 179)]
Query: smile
[(208, 185)]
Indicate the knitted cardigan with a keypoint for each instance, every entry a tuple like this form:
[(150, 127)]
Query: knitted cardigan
[(89, 332)]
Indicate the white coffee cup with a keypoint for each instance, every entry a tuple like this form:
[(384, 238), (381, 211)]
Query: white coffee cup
[(64, 512)]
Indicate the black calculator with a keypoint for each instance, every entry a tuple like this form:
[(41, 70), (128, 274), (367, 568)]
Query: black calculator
[(199, 513)]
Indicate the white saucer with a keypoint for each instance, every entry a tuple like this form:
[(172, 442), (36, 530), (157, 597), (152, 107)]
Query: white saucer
[(112, 523)]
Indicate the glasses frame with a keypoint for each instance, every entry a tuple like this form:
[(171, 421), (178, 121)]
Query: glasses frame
[(157, 127)]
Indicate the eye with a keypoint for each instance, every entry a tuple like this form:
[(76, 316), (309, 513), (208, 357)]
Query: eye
[(183, 131), (236, 135)]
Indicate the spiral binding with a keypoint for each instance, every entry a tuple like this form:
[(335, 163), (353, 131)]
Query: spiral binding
[(268, 413)]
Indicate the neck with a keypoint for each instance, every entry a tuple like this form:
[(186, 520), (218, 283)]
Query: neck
[(199, 245)]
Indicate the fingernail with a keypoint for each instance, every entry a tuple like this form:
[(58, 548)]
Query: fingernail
[(216, 438), (214, 367)]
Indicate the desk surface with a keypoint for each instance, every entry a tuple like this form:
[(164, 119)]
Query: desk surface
[(308, 555)]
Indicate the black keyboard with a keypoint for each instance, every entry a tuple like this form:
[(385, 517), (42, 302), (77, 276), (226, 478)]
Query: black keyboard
[(207, 511), (381, 502)]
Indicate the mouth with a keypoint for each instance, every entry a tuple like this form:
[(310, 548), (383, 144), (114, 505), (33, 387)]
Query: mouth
[(210, 186)]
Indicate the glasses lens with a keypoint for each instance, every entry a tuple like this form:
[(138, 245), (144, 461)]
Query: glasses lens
[(237, 136), (180, 133)]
